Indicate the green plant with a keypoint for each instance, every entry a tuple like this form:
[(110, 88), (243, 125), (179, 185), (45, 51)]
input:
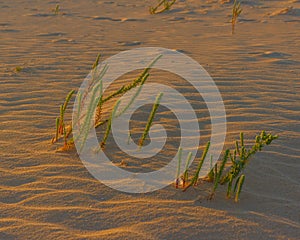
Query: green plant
[(86, 126), (238, 187), (196, 176), (61, 128), (240, 157), (185, 176), (162, 5), (178, 168), (150, 119), (218, 174), (56, 9), (145, 77), (95, 85), (213, 171), (140, 80), (18, 69), (236, 11), (108, 128)]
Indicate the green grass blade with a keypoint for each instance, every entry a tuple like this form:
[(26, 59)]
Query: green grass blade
[(196, 176), (108, 128), (150, 119), (178, 167), (219, 174), (239, 187), (186, 173)]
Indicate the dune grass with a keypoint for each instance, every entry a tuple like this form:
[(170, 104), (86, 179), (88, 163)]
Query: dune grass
[(95, 106), (196, 176), (185, 176), (219, 174), (61, 129), (236, 11), (178, 168), (234, 174), (56, 9), (150, 119), (162, 6)]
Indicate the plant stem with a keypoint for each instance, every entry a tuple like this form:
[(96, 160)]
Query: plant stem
[(150, 119)]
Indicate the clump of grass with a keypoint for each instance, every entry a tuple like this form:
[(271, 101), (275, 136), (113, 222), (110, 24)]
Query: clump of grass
[(239, 158), (150, 119), (162, 6), (236, 11), (95, 105)]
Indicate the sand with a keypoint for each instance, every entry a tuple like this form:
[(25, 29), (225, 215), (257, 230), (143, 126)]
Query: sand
[(45, 194)]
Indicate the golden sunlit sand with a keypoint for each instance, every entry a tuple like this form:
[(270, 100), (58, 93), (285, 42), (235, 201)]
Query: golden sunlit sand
[(49, 194)]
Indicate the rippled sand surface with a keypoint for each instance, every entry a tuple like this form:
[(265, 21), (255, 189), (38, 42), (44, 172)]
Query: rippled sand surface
[(45, 194)]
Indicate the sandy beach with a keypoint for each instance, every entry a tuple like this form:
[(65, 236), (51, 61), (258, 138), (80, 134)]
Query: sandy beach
[(47, 194)]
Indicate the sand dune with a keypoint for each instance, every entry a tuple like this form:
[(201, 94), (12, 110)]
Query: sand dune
[(45, 194)]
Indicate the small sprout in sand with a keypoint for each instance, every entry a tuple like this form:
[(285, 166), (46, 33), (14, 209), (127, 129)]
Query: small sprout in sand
[(162, 5), (56, 9), (150, 119), (236, 11), (18, 69)]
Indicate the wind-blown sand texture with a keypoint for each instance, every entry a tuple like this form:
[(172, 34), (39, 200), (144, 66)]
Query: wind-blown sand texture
[(46, 194)]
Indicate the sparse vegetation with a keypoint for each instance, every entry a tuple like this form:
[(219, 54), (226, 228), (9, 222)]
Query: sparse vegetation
[(61, 129), (18, 69), (95, 106), (218, 175), (150, 119), (236, 11), (56, 9), (162, 6), (239, 158)]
